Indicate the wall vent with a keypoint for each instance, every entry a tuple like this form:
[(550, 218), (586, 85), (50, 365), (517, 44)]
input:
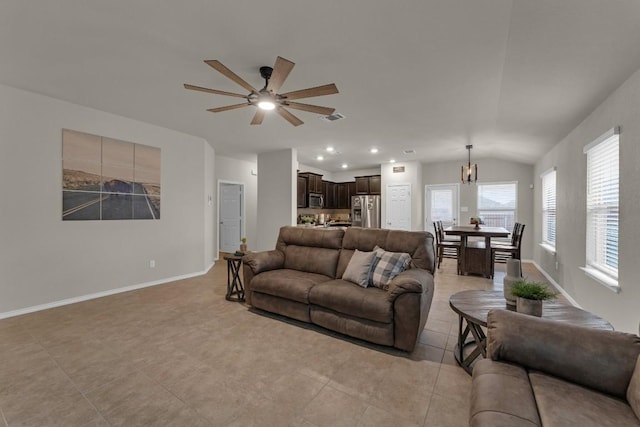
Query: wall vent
[(332, 117)]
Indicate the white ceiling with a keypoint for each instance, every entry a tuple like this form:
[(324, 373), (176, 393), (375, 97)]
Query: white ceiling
[(510, 77)]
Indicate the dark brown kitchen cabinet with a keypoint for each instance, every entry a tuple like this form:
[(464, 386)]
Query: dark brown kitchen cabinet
[(302, 192), (352, 192), (329, 194), (374, 184), (342, 195), (314, 183), (362, 185), (368, 184)]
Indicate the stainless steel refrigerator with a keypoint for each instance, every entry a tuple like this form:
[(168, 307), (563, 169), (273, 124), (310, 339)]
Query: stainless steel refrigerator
[(365, 211)]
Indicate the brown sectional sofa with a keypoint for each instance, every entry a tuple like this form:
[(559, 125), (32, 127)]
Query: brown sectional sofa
[(301, 279), (544, 373)]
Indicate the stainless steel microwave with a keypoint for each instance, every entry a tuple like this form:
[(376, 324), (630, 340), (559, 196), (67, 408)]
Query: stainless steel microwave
[(316, 200)]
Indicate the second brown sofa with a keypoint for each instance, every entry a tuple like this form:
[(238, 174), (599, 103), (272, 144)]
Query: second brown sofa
[(302, 279)]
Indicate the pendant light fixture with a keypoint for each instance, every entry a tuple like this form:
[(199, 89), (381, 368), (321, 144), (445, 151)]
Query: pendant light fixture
[(471, 170)]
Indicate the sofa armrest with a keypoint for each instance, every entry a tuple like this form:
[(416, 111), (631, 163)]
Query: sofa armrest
[(598, 359), (264, 261), (414, 280)]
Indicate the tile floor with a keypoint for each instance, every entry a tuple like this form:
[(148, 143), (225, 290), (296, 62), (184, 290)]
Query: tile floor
[(179, 354)]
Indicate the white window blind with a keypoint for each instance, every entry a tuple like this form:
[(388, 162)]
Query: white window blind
[(497, 204), (549, 208), (603, 204), (441, 205)]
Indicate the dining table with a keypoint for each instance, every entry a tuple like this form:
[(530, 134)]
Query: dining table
[(475, 257)]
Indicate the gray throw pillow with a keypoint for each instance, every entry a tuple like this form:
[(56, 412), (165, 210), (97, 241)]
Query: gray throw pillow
[(359, 268), (387, 265), (633, 391)]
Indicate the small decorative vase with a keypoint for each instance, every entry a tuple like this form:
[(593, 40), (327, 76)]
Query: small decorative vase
[(514, 274), (243, 247), (531, 307)]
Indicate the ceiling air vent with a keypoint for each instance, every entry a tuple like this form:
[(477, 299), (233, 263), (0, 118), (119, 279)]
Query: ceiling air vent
[(408, 152), (332, 117)]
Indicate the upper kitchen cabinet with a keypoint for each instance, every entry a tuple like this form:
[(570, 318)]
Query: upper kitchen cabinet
[(375, 184), (329, 193), (368, 184), (302, 191), (314, 182)]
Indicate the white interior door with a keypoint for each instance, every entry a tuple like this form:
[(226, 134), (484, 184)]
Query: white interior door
[(399, 207), (441, 204), (230, 210)]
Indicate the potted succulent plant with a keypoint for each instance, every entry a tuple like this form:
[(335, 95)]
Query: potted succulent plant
[(243, 245), (529, 296)]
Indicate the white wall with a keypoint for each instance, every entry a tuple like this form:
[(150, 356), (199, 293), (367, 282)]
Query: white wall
[(349, 175), (240, 171), (412, 175), (42, 258), (489, 170), (277, 195), (621, 108)]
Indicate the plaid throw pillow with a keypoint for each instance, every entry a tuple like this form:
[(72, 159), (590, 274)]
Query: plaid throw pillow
[(386, 266)]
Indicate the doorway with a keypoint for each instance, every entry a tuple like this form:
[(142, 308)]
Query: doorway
[(399, 207), (231, 218), (441, 204)]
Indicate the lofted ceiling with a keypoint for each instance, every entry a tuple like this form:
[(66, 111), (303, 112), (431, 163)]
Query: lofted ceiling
[(511, 77)]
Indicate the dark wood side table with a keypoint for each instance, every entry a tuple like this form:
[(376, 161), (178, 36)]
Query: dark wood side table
[(234, 284), (473, 306)]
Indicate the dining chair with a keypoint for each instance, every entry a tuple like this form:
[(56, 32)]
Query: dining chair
[(446, 248), (501, 252), (444, 236)]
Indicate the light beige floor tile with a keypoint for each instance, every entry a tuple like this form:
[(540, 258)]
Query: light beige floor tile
[(375, 417), (454, 383), (433, 338), (333, 408), (445, 412)]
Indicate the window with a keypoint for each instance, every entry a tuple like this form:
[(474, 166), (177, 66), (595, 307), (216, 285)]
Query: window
[(549, 208), (603, 208), (497, 204)]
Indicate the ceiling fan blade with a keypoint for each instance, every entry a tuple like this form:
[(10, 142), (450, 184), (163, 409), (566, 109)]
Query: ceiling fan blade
[(217, 65), (314, 91), (289, 117), (281, 70), (214, 91), (312, 108), (228, 107), (258, 117)]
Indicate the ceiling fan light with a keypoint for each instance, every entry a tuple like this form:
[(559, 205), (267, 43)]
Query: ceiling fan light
[(266, 105)]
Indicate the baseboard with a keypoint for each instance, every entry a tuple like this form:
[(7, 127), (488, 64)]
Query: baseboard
[(87, 297), (555, 284)]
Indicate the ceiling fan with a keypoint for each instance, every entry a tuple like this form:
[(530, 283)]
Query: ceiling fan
[(267, 98)]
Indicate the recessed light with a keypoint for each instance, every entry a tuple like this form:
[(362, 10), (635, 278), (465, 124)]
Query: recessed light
[(392, 161), (373, 150), (320, 158), (330, 149), (344, 166)]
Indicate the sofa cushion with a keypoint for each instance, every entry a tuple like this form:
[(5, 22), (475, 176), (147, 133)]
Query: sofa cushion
[(417, 244), (501, 396), (359, 268), (633, 391), (562, 403), (349, 298), (311, 259), (289, 284), (386, 266)]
